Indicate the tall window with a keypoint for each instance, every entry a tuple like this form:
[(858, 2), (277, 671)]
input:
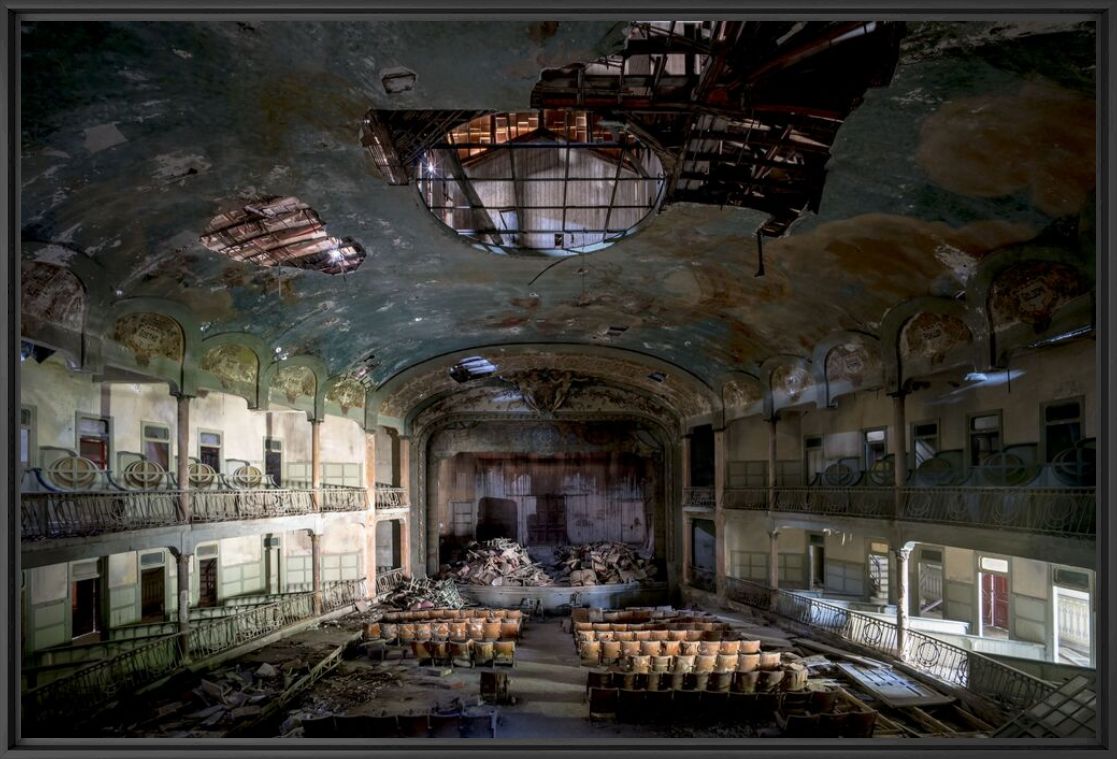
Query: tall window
[(812, 452), (26, 436), (93, 440), (924, 441), (876, 446), (1062, 427), (273, 460), (985, 437), (157, 444), (209, 449)]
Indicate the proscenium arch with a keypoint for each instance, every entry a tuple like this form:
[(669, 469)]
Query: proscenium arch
[(692, 384)]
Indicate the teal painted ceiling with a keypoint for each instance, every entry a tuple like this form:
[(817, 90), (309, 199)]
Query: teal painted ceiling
[(135, 135)]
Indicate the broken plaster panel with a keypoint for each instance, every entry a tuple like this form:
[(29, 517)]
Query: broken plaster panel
[(295, 382), (1031, 292), (932, 336), (348, 393), (50, 295), (148, 335), (791, 382), (852, 365), (236, 366)]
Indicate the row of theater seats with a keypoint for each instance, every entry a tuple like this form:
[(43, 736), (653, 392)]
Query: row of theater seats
[(715, 654), (643, 628), (471, 629), (638, 614), (465, 653), (433, 725), (654, 647), (710, 707), (427, 615), (762, 681)]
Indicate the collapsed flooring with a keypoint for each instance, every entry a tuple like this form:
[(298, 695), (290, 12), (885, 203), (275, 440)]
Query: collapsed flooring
[(297, 686)]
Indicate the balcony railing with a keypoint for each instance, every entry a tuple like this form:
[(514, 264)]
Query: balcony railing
[(388, 580), (986, 677), (703, 578), (390, 498), (698, 498), (78, 514), (1066, 512), (61, 701)]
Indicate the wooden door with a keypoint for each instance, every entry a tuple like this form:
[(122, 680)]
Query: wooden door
[(207, 582), (153, 594), (994, 600)]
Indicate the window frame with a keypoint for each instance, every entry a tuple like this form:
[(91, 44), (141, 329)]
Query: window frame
[(999, 413), (1043, 423), (220, 447), (109, 447), (144, 440), (938, 439), (865, 465), (32, 436)]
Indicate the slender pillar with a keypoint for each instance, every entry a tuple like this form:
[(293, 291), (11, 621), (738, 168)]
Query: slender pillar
[(316, 461), (721, 568), (370, 514), (183, 450), (316, 570), (184, 605), (899, 451), (774, 559), (405, 466), (902, 602), (688, 529), (772, 462)]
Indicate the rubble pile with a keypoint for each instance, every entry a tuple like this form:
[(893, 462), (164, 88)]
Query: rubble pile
[(498, 562), (601, 563), (424, 593)]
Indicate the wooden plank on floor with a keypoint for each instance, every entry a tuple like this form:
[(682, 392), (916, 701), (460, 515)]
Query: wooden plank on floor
[(892, 687), (814, 645)]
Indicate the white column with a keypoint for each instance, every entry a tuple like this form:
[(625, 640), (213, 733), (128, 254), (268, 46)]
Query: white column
[(721, 570), (902, 601), (772, 462), (183, 446), (183, 560), (316, 461), (774, 559), (316, 570)]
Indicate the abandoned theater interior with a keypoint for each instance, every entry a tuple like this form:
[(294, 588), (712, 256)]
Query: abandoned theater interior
[(558, 379)]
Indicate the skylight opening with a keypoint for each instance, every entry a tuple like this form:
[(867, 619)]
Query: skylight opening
[(551, 182), (471, 368)]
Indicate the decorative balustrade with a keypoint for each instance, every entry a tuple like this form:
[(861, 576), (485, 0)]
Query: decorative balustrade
[(78, 514), (980, 674), (388, 580), (58, 702), (698, 498), (1066, 512), (390, 498), (702, 578)]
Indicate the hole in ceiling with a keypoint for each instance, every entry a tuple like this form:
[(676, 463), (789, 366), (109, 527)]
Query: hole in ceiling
[(398, 79), (281, 231), (550, 182), (657, 377), (471, 368)]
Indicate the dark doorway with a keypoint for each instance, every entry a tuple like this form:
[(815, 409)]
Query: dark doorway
[(702, 457), (497, 518), (85, 607), (388, 544), (273, 460), (207, 582), (153, 598), (704, 554), (994, 603), (817, 561)]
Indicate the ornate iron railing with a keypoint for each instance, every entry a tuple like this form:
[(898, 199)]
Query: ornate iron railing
[(980, 674), (388, 580), (236, 629), (344, 593), (58, 515), (698, 498), (1066, 512), (390, 498), (46, 515), (703, 578)]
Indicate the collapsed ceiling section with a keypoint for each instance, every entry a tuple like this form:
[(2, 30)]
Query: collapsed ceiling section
[(737, 114), (281, 232)]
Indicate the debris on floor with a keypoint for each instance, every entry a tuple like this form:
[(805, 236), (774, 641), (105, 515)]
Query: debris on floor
[(424, 593), (498, 562), (601, 563)]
